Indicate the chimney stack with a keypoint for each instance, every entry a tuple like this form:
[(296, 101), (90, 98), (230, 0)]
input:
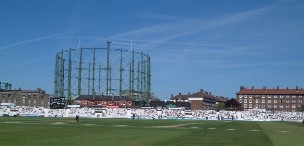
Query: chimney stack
[(6, 86), (297, 88), (278, 87), (242, 87), (252, 88)]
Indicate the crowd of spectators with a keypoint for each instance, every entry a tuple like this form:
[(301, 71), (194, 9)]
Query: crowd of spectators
[(151, 113)]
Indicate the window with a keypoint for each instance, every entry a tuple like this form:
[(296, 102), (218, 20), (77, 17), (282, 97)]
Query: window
[(250, 106), (281, 106), (269, 96), (269, 101), (293, 96), (287, 101), (293, 106), (256, 100), (281, 101), (300, 96), (287, 96), (275, 96), (245, 96), (294, 101), (250, 96), (263, 100), (263, 96), (240, 96), (250, 100), (287, 106), (263, 106), (275, 106), (245, 105), (245, 100), (300, 101), (8, 95), (281, 96), (3, 95), (275, 101), (268, 106), (240, 100)]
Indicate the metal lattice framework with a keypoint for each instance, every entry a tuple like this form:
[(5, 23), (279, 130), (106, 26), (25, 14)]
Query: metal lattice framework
[(102, 71)]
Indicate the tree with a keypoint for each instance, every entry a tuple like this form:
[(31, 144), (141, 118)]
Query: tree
[(233, 104), (220, 106), (302, 108)]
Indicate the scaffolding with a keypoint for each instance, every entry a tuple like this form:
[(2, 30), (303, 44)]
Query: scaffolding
[(102, 71)]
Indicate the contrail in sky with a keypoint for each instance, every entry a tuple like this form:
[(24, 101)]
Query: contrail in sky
[(25, 63), (28, 41)]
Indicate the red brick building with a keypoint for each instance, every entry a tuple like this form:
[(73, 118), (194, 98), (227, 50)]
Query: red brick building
[(274, 99), (103, 101), (199, 100)]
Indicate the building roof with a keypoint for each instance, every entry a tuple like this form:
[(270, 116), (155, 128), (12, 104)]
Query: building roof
[(266, 91), (180, 97), (200, 94), (221, 99), (100, 97), (38, 90)]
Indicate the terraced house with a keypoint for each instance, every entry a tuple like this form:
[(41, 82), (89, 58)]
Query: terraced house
[(34, 98), (199, 100), (274, 99)]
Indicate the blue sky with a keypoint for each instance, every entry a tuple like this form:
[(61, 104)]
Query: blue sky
[(194, 44)]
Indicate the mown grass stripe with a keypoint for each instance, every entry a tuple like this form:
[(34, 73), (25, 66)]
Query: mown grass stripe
[(43, 131)]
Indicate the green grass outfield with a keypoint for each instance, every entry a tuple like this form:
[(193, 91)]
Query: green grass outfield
[(110, 132)]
